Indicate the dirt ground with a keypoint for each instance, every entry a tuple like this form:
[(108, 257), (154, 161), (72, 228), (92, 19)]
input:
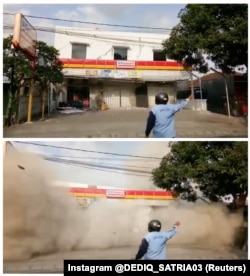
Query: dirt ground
[(128, 123)]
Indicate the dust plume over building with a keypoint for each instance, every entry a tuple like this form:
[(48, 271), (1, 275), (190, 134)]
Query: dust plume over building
[(40, 219), (202, 224)]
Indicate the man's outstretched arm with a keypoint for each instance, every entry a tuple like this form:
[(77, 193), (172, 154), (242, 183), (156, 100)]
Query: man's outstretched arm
[(170, 233), (177, 107)]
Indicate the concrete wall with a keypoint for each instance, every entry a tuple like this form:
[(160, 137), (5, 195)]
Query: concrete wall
[(36, 107), (197, 105)]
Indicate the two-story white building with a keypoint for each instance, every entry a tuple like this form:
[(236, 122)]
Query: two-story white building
[(123, 69)]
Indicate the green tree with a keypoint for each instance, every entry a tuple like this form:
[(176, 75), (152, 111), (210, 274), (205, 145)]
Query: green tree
[(16, 65), (216, 168), (14, 62), (50, 71), (218, 32)]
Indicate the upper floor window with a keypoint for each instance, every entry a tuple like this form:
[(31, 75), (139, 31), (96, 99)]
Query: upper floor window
[(120, 53), (79, 51), (159, 55)]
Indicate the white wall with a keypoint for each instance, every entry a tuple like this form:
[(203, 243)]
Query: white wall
[(141, 45), (100, 46)]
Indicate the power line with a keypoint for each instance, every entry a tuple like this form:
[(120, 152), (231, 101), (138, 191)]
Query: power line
[(112, 171), (90, 151), (58, 157), (82, 34), (92, 23), (97, 158), (82, 164), (118, 166), (96, 167), (67, 31)]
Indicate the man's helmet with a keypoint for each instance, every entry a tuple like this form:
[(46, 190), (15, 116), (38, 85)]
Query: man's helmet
[(154, 225), (161, 98)]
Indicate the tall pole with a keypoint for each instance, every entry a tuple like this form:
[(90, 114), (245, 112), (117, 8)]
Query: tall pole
[(200, 87), (10, 101), (43, 102), (192, 88), (31, 92), (228, 104)]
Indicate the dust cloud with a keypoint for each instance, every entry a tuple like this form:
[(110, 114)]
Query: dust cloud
[(202, 225), (153, 149), (41, 219)]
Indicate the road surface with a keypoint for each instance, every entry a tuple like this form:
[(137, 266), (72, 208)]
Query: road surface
[(54, 263), (128, 124)]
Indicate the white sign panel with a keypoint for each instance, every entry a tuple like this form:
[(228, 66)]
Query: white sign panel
[(125, 64), (115, 193)]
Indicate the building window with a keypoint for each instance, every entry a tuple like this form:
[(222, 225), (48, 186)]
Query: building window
[(79, 51), (120, 53), (159, 55)]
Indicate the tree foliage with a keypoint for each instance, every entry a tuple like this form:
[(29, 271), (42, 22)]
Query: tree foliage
[(216, 168), (15, 60), (218, 32)]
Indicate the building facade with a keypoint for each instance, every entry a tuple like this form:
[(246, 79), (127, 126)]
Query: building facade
[(212, 87), (122, 69)]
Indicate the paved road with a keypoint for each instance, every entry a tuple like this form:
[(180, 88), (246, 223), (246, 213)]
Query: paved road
[(54, 263), (128, 124)]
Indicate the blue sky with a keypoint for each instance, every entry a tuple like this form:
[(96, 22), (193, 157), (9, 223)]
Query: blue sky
[(93, 176), (144, 15)]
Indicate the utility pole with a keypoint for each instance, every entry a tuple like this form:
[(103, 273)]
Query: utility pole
[(11, 89), (192, 88)]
